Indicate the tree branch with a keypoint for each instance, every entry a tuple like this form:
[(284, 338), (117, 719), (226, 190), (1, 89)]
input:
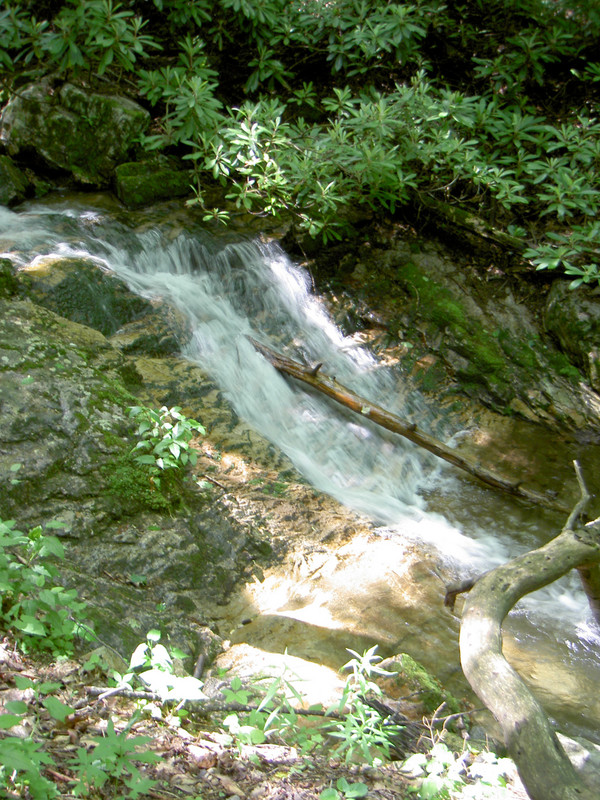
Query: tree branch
[(346, 397), (543, 765)]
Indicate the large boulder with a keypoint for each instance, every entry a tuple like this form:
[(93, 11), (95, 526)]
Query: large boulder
[(68, 129), (80, 290), (138, 184)]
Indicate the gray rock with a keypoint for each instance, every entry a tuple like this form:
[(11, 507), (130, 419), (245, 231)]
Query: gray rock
[(69, 129), (65, 455)]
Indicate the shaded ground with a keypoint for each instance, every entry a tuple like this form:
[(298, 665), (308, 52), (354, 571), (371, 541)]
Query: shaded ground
[(196, 758)]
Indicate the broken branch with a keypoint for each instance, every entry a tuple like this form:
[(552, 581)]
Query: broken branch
[(346, 397)]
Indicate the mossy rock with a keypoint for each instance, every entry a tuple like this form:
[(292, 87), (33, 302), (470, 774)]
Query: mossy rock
[(14, 184), (485, 361), (9, 285), (78, 289), (139, 184), (131, 486), (573, 319), (71, 129), (409, 677)]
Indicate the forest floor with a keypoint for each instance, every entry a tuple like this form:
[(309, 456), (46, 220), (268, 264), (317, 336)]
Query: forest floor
[(196, 759)]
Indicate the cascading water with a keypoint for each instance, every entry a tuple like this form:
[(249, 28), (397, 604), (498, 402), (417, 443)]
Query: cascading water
[(232, 290)]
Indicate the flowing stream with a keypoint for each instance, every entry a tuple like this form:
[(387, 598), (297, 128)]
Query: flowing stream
[(230, 290)]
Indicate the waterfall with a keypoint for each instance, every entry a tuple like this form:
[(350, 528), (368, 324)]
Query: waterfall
[(230, 290)]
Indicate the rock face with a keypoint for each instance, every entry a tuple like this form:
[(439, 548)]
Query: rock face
[(573, 318), (80, 290), (481, 340), (65, 444), (68, 129)]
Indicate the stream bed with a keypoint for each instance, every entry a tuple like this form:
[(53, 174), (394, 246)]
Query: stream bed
[(230, 288)]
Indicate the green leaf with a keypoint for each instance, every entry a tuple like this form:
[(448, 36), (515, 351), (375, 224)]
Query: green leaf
[(51, 546), (30, 625), (22, 682), (145, 459), (329, 794), (16, 706), (8, 720), (56, 708)]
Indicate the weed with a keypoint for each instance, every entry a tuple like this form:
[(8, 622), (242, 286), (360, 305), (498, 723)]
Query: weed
[(41, 613), (166, 435)]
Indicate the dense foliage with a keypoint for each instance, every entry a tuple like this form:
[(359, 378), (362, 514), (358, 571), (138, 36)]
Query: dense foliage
[(315, 108)]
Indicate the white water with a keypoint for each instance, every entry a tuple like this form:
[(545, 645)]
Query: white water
[(232, 291)]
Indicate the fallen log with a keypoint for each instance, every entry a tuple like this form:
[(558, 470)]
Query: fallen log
[(545, 769), (346, 397)]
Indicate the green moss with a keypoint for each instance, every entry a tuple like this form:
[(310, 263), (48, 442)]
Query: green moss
[(564, 367), (485, 354), (431, 692), (133, 486), (139, 184), (433, 378), (519, 352), (9, 285), (435, 302)]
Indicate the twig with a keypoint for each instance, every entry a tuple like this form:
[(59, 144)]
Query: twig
[(203, 706), (216, 483)]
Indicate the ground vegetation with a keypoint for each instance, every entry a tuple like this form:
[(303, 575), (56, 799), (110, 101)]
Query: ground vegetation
[(318, 110)]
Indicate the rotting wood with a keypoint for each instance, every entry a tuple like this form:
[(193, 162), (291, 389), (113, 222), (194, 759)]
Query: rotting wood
[(544, 767), (313, 376)]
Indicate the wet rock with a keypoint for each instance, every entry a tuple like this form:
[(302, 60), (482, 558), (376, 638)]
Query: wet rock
[(68, 129), (486, 343), (80, 290), (138, 184), (14, 184), (162, 331)]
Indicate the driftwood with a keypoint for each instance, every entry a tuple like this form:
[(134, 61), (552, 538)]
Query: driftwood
[(346, 397), (545, 769)]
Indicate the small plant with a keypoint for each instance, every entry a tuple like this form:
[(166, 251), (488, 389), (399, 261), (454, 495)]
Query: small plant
[(470, 775), (114, 758), (21, 762), (41, 613), (166, 436), (363, 731), (343, 789), (154, 666)]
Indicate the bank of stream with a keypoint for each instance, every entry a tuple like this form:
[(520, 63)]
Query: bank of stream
[(409, 513)]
